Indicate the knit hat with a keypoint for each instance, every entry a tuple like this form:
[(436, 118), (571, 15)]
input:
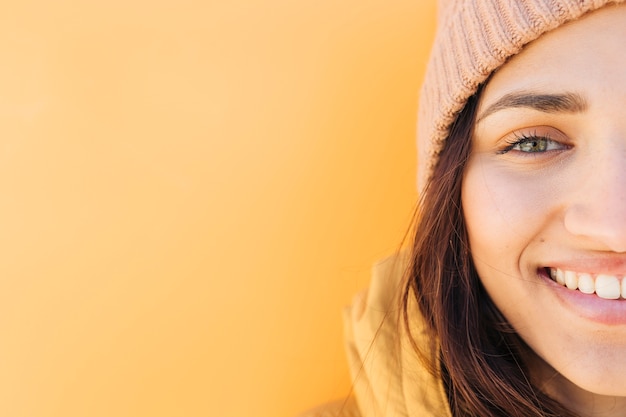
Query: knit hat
[(475, 37)]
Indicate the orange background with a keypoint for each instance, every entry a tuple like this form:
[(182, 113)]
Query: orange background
[(189, 193)]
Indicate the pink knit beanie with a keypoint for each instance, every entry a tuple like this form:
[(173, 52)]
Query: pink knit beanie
[(475, 37)]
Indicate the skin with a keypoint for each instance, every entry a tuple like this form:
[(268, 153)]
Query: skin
[(528, 207)]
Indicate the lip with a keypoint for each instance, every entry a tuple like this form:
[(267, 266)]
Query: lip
[(610, 264), (589, 307)]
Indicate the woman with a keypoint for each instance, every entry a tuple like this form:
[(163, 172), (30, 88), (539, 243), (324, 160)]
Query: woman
[(513, 301)]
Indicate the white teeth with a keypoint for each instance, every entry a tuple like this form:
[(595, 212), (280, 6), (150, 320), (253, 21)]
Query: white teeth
[(558, 276), (607, 286), (610, 287), (586, 284), (571, 280)]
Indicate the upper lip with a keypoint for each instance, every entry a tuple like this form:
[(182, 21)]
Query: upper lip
[(610, 264)]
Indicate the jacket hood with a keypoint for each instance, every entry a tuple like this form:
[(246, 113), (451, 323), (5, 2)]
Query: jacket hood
[(389, 379)]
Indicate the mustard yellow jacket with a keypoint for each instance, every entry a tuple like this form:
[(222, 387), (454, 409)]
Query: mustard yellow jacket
[(389, 380)]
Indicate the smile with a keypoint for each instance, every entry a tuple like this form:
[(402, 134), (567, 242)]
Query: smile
[(609, 287)]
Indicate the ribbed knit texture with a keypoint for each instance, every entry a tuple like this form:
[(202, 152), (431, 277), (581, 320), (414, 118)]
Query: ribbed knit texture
[(475, 37)]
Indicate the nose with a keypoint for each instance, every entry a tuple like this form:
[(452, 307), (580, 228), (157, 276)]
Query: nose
[(597, 211)]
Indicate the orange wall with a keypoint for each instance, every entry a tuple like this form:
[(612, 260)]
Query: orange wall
[(190, 191)]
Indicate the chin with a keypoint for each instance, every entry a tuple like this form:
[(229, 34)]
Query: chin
[(609, 384), (598, 371)]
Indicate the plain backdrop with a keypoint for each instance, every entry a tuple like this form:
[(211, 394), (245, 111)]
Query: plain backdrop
[(190, 192)]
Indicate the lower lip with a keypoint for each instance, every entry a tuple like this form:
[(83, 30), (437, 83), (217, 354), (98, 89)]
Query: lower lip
[(589, 306)]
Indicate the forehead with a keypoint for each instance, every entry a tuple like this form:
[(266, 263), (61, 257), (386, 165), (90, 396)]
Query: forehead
[(585, 56)]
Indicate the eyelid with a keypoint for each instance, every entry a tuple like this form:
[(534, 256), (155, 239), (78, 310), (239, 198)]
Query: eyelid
[(507, 142)]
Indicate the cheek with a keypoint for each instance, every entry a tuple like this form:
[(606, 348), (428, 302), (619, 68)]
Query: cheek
[(505, 219), (503, 210)]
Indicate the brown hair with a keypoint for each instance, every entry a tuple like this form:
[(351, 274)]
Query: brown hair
[(481, 356)]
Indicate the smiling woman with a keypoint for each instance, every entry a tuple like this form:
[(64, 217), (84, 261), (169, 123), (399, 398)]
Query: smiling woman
[(514, 293), (548, 242), (542, 219)]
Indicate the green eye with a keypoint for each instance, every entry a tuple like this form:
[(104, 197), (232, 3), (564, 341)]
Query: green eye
[(532, 145)]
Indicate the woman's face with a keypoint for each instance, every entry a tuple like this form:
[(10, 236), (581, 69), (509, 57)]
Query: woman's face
[(544, 198)]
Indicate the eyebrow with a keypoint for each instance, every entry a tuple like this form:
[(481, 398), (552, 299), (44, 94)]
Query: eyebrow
[(547, 103)]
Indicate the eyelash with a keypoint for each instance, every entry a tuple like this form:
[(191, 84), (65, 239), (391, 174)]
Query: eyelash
[(521, 139)]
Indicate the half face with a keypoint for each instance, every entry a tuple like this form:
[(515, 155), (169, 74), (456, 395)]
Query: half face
[(544, 198)]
